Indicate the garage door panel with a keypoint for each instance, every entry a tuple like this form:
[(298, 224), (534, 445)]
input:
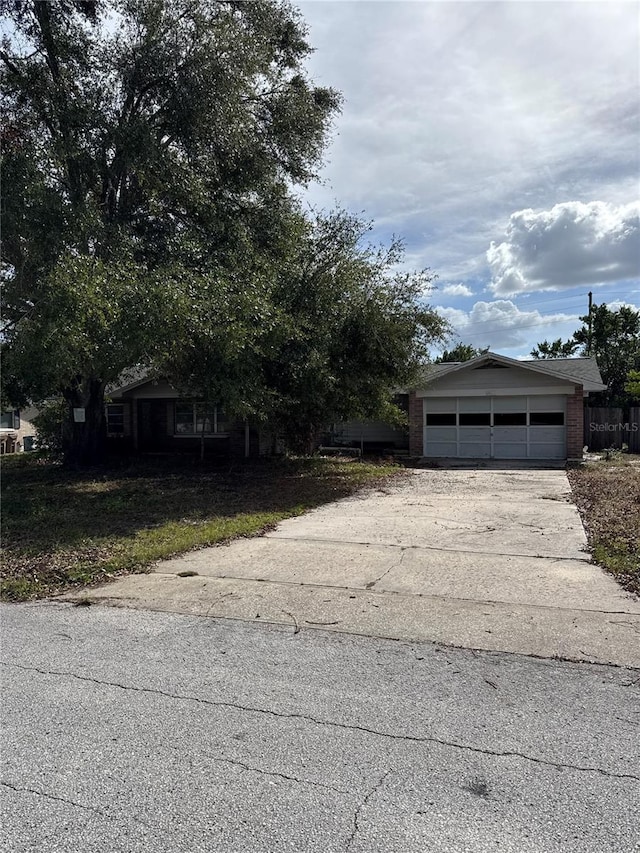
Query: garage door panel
[(510, 451), (441, 434), (510, 434), (474, 433), (547, 451), (475, 450), (474, 404), (547, 403), (442, 448), (509, 404)]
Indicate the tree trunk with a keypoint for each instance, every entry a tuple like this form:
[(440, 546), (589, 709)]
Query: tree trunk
[(84, 440)]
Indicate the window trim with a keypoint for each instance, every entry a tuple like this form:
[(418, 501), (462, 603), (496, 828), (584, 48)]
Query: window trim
[(111, 433), (195, 433)]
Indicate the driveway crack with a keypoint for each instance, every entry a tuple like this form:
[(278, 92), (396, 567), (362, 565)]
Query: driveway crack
[(293, 715), (397, 565)]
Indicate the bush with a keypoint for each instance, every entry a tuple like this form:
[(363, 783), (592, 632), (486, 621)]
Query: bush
[(49, 423)]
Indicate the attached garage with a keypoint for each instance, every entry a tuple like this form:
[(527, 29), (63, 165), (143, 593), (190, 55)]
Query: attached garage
[(510, 427), (494, 407)]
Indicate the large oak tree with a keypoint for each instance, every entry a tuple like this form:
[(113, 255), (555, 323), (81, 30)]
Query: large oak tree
[(142, 139)]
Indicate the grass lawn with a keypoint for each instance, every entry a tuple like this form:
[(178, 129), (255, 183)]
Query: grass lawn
[(64, 530), (607, 494)]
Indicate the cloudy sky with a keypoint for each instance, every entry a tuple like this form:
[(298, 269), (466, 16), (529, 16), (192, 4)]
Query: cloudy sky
[(501, 141)]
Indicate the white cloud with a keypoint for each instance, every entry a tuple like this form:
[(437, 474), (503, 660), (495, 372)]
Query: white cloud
[(571, 244), (458, 114), (501, 324), (457, 290), (617, 304)]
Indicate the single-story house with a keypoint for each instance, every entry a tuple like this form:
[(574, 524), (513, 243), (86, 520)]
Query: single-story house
[(148, 415), (491, 407), (494, 407)]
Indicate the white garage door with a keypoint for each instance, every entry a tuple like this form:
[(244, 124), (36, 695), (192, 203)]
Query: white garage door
[(496, 427)]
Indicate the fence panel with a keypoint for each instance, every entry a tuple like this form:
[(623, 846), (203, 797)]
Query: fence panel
[(605, 427), (634, 429)]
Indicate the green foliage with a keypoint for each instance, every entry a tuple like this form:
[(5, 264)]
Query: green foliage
[(555, 349), (613, 340), (354, 328), (460, 352), (50, 422), (632, 385), (615, 343), (143, 142)]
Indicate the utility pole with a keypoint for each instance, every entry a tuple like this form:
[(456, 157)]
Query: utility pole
[(590, 324)]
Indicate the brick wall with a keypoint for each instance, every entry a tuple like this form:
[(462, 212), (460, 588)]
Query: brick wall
[(416, 420), (575, 424)]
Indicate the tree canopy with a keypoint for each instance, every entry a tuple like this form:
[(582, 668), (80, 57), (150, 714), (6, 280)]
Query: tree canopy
[(460, 352), (612, 337), (150, 150)]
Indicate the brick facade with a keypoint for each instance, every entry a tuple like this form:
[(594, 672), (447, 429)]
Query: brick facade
[(575, 424), (416, 422)]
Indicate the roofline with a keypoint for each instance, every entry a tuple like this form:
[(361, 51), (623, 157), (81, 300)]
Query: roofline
[(586, 384)]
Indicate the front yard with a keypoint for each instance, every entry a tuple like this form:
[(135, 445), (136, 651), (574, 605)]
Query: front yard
[(607, 494), (63, 530)]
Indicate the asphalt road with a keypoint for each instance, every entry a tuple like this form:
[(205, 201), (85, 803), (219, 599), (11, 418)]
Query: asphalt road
[(138, 731)]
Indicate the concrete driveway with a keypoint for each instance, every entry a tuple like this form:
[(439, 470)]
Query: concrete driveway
[(479, 558)]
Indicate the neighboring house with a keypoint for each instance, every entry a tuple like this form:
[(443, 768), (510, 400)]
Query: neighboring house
[(494, 407), (17, 433), (149, 416)]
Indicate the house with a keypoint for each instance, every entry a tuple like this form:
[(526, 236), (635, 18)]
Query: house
[(17, 432), (148, 415), (494, 407)]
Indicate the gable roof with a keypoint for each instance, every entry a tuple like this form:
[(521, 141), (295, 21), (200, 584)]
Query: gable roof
[(582, 371)]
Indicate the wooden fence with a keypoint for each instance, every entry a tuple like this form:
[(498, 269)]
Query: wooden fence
[(606, 428)]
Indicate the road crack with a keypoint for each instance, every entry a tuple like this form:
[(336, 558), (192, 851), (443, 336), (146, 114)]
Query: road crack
[(293, 715), (24, 789), (356, 815), (236, 762)]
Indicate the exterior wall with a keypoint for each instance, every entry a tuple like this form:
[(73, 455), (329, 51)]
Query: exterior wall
[(416, 418), (149, 428), (493, 381), (26, 429), (575, 423), (353, 433), (154, 389)]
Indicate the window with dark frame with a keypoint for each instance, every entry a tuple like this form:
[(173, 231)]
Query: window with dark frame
[(441, 419), (546, 418), (198, 419), (510, 419), (475, 419), (10, 420), (115, 419)]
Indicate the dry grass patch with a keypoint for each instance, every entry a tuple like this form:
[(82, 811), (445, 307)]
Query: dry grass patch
[(63, 530), (607, 494)]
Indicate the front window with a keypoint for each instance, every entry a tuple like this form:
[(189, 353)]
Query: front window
[(115, 419), (10, 420), (198, 419)]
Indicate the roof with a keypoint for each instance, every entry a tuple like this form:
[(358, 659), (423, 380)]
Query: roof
[(582, 371), (129, 379)]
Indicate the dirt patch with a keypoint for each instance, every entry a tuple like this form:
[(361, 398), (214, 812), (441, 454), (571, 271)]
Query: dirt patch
[(607, 495)]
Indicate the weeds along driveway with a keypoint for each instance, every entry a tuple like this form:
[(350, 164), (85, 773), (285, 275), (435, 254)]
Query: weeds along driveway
[(479, 558)]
